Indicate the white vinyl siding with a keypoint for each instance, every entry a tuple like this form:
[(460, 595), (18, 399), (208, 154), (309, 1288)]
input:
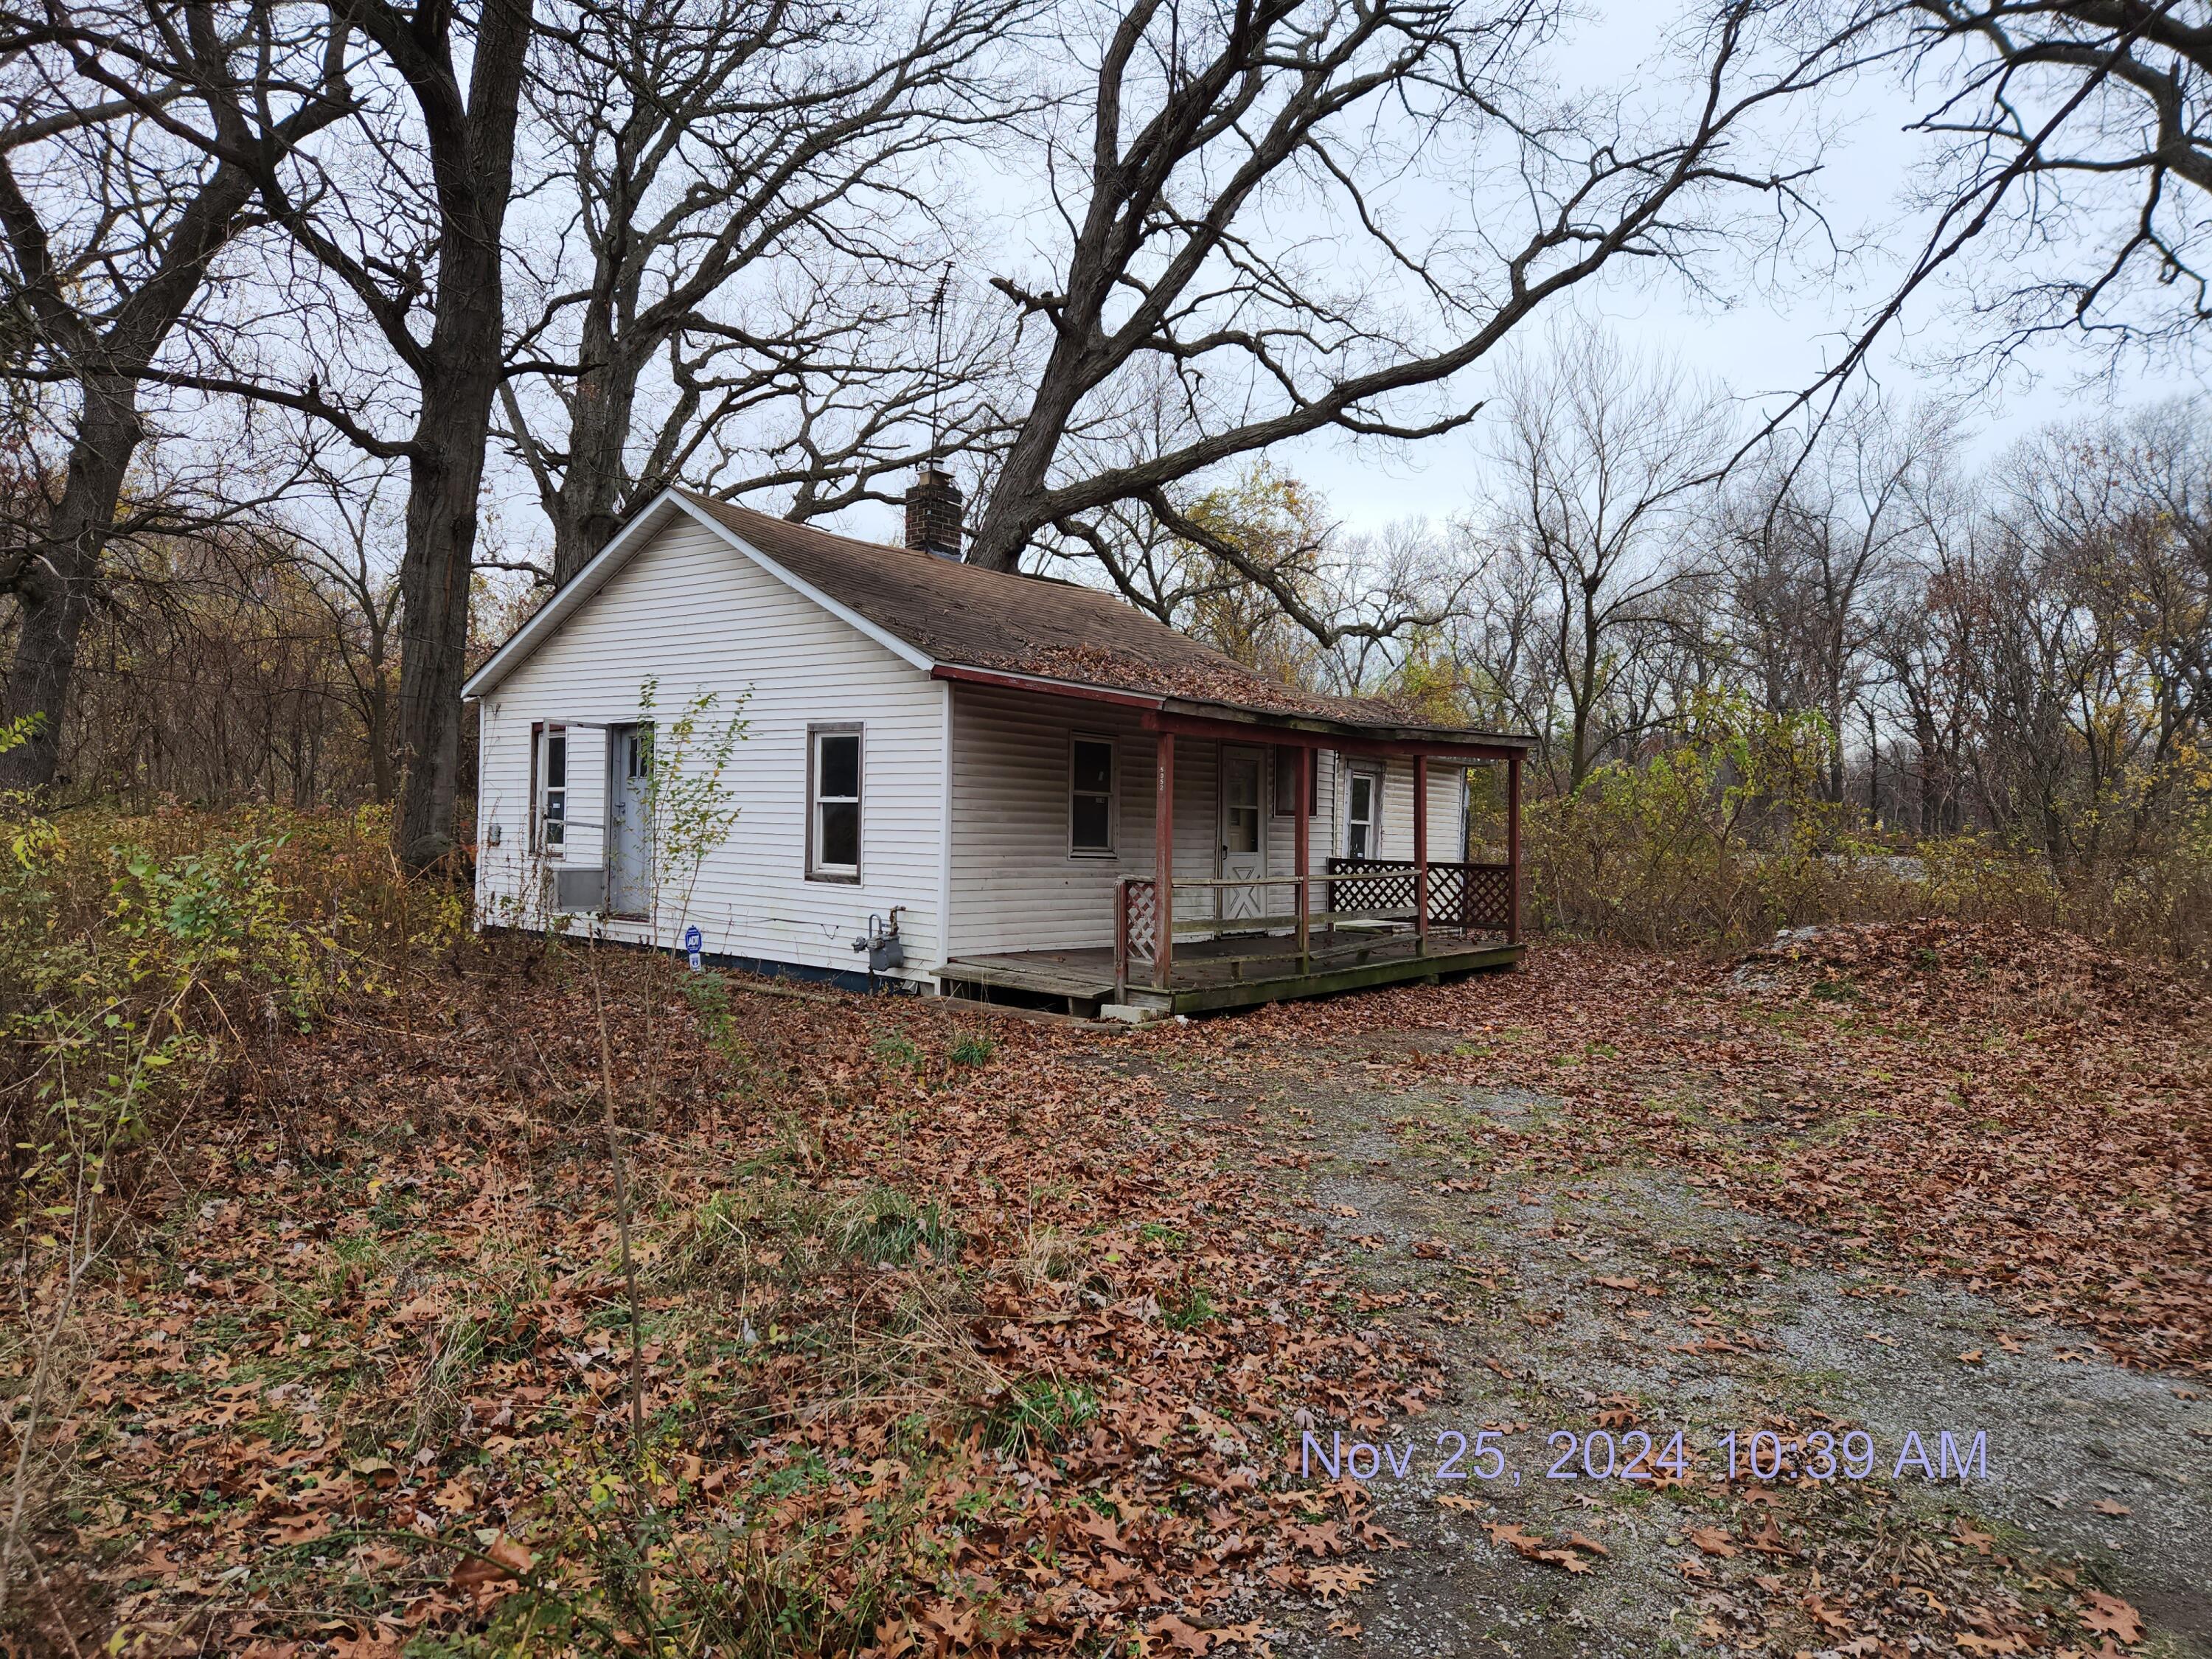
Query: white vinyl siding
[(700, 615), (1282, 832), (1016, 887), (1015, 884), (1447, 810)]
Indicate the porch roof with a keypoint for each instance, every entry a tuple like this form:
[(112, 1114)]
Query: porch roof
[(1063, 639)]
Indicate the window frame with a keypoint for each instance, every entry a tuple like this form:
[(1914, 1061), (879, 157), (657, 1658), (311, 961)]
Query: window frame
[(541, 788), (1286, 767), (1111, 850), (817, 870), (1375, 776)]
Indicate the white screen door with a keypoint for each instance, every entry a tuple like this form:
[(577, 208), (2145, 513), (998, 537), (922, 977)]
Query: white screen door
[(629, 839), (1243, 834)]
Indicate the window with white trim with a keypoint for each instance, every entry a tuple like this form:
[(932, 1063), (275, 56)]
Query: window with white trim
[(1090, 796), (833, 773), (552, 790), (1362, 815)]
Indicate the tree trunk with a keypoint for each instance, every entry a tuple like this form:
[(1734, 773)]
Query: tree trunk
[(588, 509), (434, 577), (1013, 512), (56, 594), (473, 163), (383, 777)]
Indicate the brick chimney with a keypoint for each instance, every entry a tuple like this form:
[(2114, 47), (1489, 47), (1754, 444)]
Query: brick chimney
[(933, 515)]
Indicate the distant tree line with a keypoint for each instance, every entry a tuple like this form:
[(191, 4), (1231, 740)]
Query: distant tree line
[(287, 289)]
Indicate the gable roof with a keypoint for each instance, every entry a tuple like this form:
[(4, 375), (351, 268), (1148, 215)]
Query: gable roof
[(940, 614)]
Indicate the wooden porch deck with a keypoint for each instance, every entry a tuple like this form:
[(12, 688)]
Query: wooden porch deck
[(1233, 972)]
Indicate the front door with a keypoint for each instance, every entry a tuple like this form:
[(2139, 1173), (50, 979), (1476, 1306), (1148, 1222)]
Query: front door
[(630, 828), (1243, 833)]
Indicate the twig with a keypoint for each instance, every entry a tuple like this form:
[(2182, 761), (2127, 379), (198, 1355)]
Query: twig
[(622, 1213)]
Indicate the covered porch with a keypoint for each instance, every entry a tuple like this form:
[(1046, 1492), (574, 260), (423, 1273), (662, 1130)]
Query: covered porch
[(1247, 932)]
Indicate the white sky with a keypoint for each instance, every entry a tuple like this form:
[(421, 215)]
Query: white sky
[(1763, 347)]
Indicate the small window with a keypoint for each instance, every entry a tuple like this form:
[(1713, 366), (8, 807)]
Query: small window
[(1287, 781), (1363, 816), (834, 774), (1090, 798), (553, 791)]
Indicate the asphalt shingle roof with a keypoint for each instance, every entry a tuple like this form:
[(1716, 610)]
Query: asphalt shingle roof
[(965, 616)]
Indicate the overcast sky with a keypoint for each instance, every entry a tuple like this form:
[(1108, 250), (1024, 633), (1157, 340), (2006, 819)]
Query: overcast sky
[(1762, 346)]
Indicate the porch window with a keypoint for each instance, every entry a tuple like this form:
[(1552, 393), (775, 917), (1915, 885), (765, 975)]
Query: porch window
[(1090, 796), (1286, 782), (1363, 816), (552, 766), (833, 785)]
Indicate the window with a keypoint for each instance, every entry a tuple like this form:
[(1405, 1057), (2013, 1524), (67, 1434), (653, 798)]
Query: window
[(1090, 798), (1287, 781), (552, 762), (833, 770), (1363, 816)]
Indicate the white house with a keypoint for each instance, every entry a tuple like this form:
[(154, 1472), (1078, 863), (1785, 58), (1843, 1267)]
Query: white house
[(972, 760)]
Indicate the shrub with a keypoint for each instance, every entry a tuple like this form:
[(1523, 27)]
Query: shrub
[(1723, 839)]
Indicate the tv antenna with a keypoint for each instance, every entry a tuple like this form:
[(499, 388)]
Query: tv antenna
[(937, 386)]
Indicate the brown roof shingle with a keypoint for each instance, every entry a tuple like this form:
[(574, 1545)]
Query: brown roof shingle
[(963, 615)]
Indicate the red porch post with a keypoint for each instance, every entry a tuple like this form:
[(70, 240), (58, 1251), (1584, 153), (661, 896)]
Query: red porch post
[(1421, 852), (1302, 837), (1164, 859), (1513, 848)]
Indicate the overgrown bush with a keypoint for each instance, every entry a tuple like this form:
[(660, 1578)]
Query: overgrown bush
[(148, 966), (1724, 838)]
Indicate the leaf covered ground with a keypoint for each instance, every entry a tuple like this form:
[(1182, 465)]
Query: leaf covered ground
[(961, 1334), (944, 1345)]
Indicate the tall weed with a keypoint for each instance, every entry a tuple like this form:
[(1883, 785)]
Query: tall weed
[(1722, 839), (147, 965)]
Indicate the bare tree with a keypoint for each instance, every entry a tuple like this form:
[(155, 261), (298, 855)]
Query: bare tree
[(753, 193), (2087, 124), (127, 167), (1604, 460), (2099, 608), (1208, 126), (1812, 538), (345, 550), (405, 220)]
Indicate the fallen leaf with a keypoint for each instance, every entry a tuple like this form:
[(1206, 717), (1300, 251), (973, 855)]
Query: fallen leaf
[(2110, 1616), (1769, 1541), (1186, 1636), (1338, 1579), (479, 1576)]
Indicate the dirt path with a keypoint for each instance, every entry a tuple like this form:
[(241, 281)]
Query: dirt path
[(1620, 1295)]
